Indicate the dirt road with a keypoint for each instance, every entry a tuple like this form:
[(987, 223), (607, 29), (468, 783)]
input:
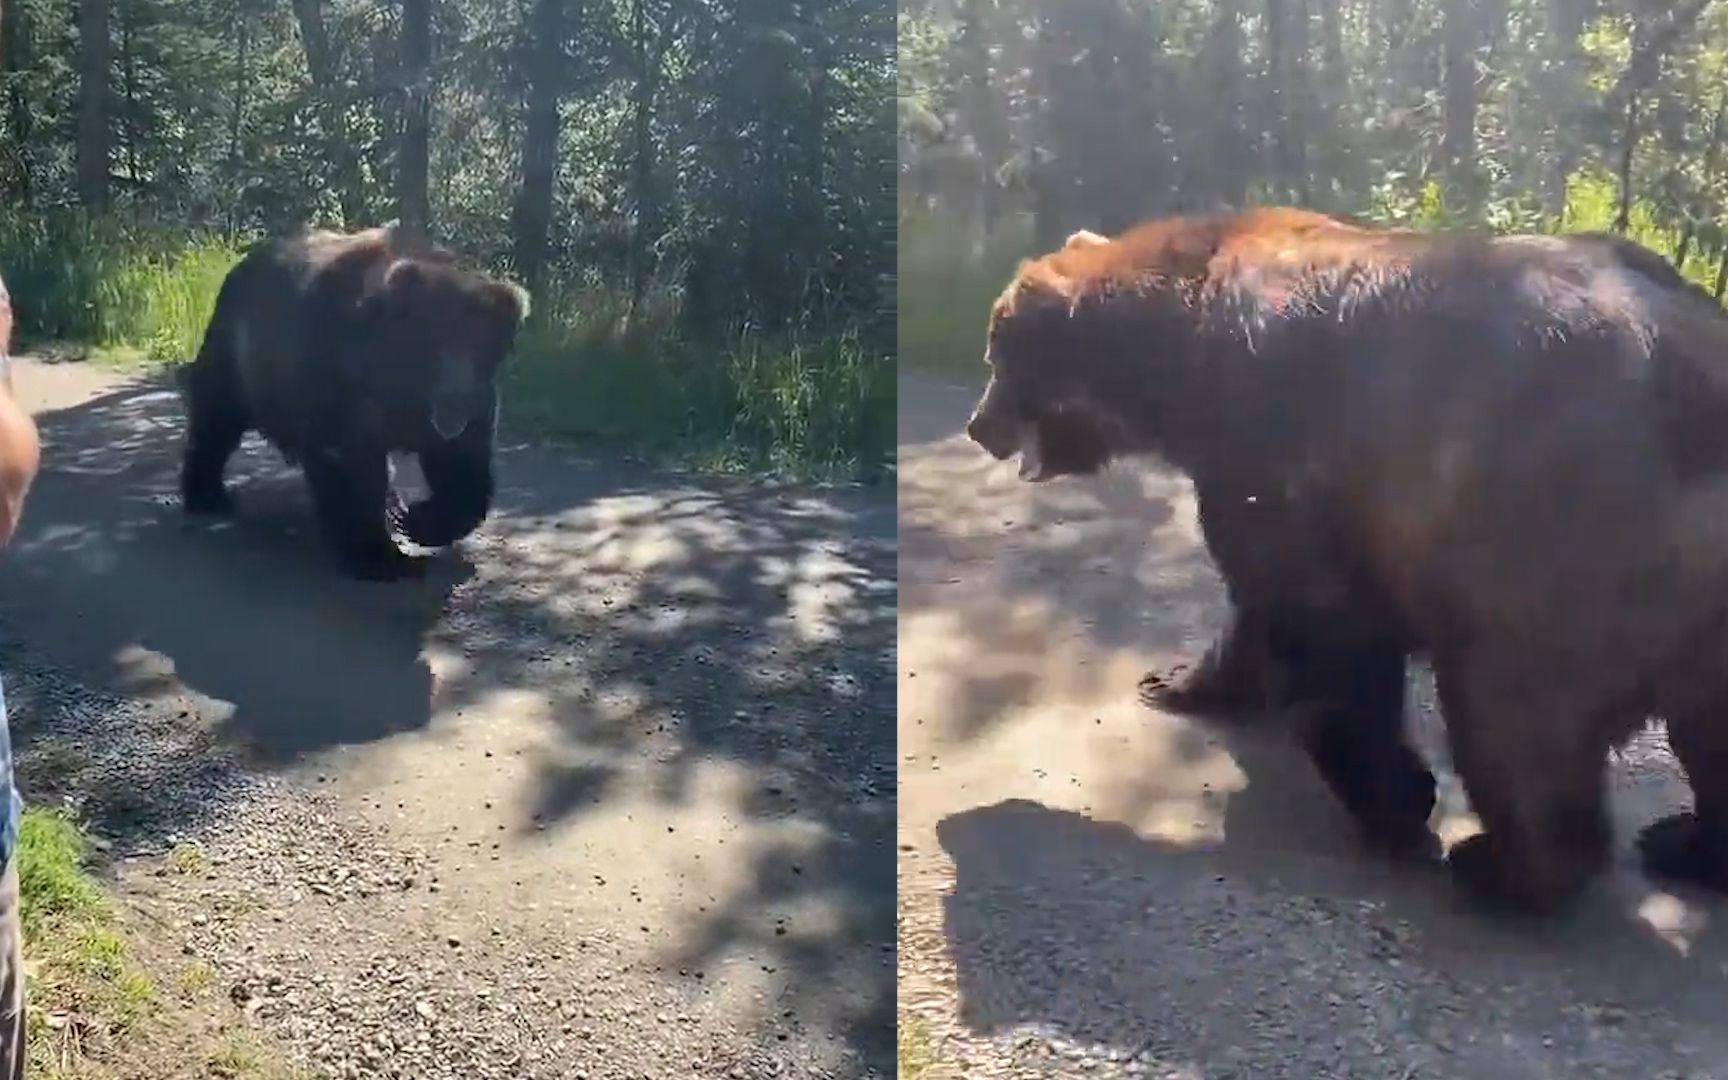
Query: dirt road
[(1091, 887), (626, 754)]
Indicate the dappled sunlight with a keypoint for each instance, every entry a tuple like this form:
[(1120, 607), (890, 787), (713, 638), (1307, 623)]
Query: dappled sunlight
[(629, 698)]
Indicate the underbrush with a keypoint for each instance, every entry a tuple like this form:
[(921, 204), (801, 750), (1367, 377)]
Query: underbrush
[(948, 278), (805, 404), (810, 404)]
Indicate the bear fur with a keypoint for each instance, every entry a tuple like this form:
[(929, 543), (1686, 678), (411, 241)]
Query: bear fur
[(1242, 674), (340, 348), (1508, 455)]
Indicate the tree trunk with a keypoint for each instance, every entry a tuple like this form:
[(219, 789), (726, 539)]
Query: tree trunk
[(15, 59), (1333, 97), (650, 60), (94, 136), (1276, 118), (1458, 140), (328, 95), (1628, 150), (242, 81), (1225, 174), (129, 89), (1298, 98), (1697, 208), (1563, 88), (540, 144), (980, 108), (412, 197)]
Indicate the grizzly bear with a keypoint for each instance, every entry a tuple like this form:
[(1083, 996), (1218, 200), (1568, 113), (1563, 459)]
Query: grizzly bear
[(339, 349), (1508, 455), (1243, 673)]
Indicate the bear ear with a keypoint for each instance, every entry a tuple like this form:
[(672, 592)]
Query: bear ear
[(511, 300), (1085, 238), (404, 281)]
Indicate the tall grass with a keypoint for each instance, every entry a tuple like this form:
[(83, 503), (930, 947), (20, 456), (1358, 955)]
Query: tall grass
[(790, 402), (802, 403), (121, 289)]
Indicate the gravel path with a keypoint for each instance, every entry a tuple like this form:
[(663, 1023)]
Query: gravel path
[(1088, 887), (609, 795)]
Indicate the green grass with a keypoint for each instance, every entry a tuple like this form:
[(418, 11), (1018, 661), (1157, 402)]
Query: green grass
[(94, 1009), (915, 1056), (789, 403), (84, 996), (804, 404), (187, 858), (243, 1055), (127, 293)]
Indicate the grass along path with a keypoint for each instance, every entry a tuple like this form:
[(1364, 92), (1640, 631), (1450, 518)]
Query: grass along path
[(108, 997), (815, 405)]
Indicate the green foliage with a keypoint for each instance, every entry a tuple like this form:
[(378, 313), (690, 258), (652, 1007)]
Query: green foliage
[(946, 291), (93, 1009), (1430, 113), (800, 403), (739, 151), (112, 286), (725, 166), (817, 401)]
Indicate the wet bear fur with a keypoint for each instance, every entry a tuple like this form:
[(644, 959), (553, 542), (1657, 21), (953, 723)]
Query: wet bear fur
[(1508, 455)]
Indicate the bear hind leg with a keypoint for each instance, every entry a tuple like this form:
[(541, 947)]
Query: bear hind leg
[(1534, 772), (216, 421), (1692, 846)]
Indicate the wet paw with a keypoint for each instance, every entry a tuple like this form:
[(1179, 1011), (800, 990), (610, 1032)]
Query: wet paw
[(1681, 848)]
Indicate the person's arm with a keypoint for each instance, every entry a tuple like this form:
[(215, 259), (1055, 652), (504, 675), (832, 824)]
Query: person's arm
[(19, 446)]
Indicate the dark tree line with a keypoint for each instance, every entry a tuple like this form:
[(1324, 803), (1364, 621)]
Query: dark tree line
[(1050, 115), (735, 153)]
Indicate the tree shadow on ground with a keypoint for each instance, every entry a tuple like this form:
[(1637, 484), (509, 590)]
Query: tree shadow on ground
[(1069, 570), (1193, 897), (646, 626), (1223, 957)]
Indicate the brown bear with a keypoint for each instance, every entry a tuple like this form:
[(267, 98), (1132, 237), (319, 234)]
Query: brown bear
[(1507, 454), (340, 348), (1242, 673)]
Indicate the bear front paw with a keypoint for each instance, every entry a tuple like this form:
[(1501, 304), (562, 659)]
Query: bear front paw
[(1210, 689)]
